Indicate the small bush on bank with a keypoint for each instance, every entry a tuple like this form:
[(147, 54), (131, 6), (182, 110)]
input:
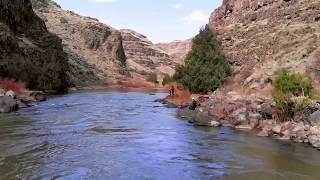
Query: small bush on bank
[(295, 84), (153, 78), (167, 79), (16, 86), (291, 94), (301, 104), (206, 66)]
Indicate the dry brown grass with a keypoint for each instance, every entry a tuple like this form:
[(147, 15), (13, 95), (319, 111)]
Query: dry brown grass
[(137, 83), (181, 95)]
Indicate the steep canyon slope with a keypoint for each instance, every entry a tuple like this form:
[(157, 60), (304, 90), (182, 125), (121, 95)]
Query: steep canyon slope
[(261, 36), (95, 50), (28, 52), (100, 53)]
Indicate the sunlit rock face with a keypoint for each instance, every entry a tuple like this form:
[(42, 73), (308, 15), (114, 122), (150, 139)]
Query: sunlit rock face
[(95, 50), (98, 53), (261, 36), (28, 51), (144, 57), (178, 50)]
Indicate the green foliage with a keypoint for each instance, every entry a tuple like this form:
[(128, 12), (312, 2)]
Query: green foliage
[(294, 84), (284, 105), (153, 78), (167, 79), (206, 66), (290, 92), (301, 104)]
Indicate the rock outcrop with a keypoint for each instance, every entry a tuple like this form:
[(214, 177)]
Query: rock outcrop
[(28, 52), (95, 50), (101, 54), (177, 50), (144, 57), (260, 37)]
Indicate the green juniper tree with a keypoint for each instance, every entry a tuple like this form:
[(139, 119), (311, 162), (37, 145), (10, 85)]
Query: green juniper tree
[(205, 66)]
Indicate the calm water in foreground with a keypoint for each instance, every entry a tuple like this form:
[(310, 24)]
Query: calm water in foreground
[(125, 135)]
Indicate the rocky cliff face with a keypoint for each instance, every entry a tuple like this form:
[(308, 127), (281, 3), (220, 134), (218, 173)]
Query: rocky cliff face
[(262, 36), (28, 52), (144, 57), (95, 50), (178, 50), (100, 53)]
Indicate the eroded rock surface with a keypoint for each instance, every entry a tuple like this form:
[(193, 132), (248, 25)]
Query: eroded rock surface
[(28, 51), (95, 50), (260, 37)]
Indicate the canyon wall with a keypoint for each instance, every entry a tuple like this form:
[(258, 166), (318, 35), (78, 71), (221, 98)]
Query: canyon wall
[(260, 37), (98, 53), (95, 50), (28, 52)]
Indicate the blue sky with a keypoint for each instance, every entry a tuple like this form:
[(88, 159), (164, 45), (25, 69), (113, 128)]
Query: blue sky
[(159, 20)]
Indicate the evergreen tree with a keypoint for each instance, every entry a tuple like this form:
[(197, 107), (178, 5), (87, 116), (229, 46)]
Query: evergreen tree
[(205, 66)]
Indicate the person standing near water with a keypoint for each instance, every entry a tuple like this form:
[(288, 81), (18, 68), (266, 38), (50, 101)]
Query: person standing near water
[(172, 91), (193, 105)]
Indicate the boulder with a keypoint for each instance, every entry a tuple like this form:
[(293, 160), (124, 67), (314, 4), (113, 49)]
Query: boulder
[(37, 96), (11, 94), (8, 104), (204, 119), (276, 129), (314, 136), (263, 133), (265, 110), (314, 118), (254, 119), (240, 117), (314, 141), (214, 123)]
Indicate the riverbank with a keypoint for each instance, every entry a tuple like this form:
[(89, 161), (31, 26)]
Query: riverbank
[(255, 113)]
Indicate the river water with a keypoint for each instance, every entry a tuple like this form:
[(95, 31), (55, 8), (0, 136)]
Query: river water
[(126, 135)]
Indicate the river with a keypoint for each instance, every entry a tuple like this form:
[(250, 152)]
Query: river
[(126, 135)]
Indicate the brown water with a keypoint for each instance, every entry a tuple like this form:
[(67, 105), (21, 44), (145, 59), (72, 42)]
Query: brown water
[(125, 135)]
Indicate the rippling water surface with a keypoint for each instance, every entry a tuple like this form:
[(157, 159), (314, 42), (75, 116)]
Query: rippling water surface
[(125, 135)]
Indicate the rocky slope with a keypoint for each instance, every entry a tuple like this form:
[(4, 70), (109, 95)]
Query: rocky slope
[(95, 50), (145, 58), (28, 52), (262, 36), (100, 53), (259, 38), (178, 50)]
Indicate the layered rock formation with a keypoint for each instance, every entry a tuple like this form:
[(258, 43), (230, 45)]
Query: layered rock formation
[(178, 50), (28, 52), (95, 50), (100, 53), (262, 36), (144, 57)]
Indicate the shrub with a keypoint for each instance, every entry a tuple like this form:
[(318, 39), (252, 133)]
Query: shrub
[(292, 83), (16, 86), (167, 79), (301, 104), (153, 78), (284, 105), (205, 66), (289, 94)]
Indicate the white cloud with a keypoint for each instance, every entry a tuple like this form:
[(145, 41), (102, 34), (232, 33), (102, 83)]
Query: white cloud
[(102, 1), (196, 17), (177, 6)]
